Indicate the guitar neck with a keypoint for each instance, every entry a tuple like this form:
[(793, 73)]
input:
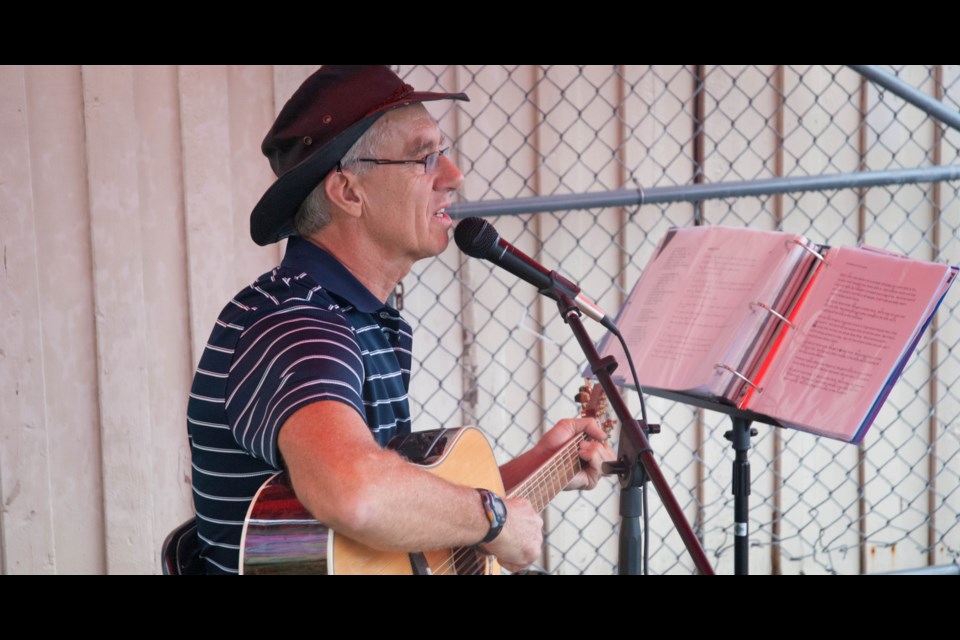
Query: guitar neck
[(551, 477)]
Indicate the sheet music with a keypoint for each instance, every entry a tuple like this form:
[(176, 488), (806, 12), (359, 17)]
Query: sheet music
[(692, 309), (857, 324)]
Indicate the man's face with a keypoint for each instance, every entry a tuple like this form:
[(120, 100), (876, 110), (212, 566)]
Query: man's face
[(404, 208)]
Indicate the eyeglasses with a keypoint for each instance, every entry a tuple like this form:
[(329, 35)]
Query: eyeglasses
[(430, 161)]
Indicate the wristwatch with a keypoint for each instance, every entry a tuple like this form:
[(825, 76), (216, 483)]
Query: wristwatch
[(495, 511)]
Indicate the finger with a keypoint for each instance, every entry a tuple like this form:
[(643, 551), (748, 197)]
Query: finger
[(588, 471), (590, 479), (593, 455), (606, 452), (591, 426), (595, 452), (562, 431)]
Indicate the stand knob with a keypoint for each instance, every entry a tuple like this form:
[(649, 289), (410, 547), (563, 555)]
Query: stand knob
[(615, 468), (728, 435)]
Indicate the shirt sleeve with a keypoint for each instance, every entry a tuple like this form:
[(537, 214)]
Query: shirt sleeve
[(284, 361)]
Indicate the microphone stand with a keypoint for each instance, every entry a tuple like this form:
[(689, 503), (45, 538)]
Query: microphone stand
[(635, 463)]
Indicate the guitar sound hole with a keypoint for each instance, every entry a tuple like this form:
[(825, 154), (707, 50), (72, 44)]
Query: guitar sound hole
[(421, 447)]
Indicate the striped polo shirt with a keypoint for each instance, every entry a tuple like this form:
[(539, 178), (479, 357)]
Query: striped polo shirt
[(305, 332)]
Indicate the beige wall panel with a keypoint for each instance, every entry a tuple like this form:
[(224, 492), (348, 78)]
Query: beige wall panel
[(897, 443), (947, 466), (250, 117), (819, 119), (225, 113), (514, 339), (499, 351), (166, 303), (489, 141), (286, 79), (55, 106), (434, 301), (208, 202), (26, 516), (738, 140), (118, 278), (506, 332), (577, 135), (657, 153)]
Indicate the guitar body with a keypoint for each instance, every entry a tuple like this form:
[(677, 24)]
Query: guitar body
[(281, 537)]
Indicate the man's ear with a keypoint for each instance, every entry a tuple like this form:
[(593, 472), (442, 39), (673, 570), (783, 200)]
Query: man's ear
[(342, 190)]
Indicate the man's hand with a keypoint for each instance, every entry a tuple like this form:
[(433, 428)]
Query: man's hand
[(593, 453), (520, 542)]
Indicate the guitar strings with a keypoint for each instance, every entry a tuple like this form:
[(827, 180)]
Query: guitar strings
[(566, 460)]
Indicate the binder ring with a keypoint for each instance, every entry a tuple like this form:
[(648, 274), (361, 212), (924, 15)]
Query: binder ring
[(739, 375), (773, 312), (806, 248)]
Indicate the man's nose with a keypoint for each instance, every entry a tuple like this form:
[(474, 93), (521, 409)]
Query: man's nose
[(449, 177)]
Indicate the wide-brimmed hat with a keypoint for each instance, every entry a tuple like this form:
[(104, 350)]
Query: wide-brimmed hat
[(317, 126)]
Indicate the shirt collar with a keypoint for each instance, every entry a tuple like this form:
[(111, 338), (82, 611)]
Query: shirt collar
[(303, 255)]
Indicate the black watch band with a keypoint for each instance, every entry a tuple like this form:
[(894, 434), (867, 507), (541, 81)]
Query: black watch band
[(495, 511)]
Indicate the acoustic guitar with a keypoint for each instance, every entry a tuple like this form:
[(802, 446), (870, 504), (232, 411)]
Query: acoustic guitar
[(281, 537)]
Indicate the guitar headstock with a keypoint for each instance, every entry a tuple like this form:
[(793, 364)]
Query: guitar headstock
[(593, 404)]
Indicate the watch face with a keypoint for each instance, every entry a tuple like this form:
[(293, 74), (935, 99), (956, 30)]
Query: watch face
[(496, 512), (499, 509)]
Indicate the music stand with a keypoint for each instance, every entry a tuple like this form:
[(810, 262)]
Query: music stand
[(739, 437)]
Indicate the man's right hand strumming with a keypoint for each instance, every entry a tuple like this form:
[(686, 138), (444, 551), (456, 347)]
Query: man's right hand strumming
[(520, 542)]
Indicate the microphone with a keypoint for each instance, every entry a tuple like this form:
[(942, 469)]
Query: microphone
[(478, 239)]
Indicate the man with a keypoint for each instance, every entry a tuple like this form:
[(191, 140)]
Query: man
[(309, 361)]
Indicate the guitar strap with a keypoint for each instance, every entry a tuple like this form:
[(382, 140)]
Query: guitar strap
[(418, 562)]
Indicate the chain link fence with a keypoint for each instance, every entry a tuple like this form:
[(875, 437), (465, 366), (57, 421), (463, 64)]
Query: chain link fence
[(489, 351)]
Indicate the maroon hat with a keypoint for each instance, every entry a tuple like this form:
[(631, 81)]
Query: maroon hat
[(317, 126)]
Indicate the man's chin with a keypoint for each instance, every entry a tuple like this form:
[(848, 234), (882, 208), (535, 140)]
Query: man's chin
[(438, 247)]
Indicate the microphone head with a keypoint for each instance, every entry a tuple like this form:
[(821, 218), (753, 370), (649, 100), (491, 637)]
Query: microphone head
[(475, 237)]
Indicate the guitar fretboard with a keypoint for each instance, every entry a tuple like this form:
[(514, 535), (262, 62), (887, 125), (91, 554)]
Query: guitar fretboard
[(545, 483)]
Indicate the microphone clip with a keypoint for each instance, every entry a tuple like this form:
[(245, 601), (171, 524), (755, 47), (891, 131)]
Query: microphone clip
[(560, 286)]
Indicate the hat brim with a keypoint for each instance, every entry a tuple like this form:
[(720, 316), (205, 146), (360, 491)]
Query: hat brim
[(272, 218)]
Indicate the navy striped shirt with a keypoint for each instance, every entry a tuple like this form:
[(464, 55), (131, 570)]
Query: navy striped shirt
[(305, 332)]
